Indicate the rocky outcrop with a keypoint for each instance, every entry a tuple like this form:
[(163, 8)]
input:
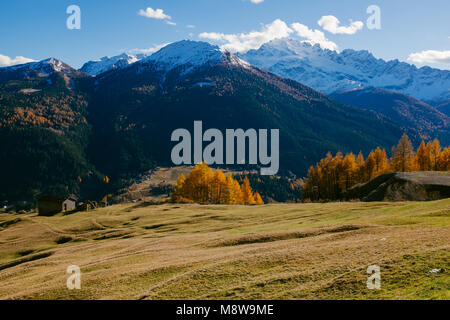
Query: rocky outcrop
[(404, 186)]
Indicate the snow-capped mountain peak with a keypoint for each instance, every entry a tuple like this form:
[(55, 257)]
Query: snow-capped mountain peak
[(329, 71), (53, 63), (191, 54), (96, 67), (43, 67)]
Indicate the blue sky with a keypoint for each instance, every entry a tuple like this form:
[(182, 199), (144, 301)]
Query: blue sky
[(37, 29)]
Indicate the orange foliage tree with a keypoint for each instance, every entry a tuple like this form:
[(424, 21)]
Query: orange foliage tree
[(333, 176), (403, 156), (204, 185)]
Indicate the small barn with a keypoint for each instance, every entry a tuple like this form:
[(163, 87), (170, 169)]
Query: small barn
[(87, 206), (50, 205)]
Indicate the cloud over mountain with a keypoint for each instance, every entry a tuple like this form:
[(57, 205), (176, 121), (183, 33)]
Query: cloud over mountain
[(314, 36), (6, 61), (332, 25), (430, 56), (246, 41), (148, 50), (278, 29)]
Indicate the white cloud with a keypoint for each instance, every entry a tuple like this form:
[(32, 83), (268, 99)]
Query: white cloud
[(313, 36), (331, 24), (149, 50), (154, 14), (6, 61), (216, 36), (257, 1), (276, 30), (430, 56), (246, 41), (171, 23), (190, 26)]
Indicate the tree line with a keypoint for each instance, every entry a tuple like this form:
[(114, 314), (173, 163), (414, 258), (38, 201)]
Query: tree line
[(332, 176), (204, 185)]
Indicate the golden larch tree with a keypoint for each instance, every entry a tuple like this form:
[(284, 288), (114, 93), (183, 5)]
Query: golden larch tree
[(333, 176), (247, 193), (403, 155), (444, 160), (435, 152), (423, 157), (258, 199), (204, 185)]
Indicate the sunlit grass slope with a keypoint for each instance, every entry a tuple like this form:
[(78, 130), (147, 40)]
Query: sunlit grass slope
[(282, 251)]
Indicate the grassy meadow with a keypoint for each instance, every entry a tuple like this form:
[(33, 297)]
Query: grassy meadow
[(279, 251)]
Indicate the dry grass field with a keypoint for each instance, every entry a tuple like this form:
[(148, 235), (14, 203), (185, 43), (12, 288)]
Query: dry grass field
[(282, 251)]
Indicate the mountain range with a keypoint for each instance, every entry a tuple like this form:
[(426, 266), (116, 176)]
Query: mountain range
[(353, 71), (330, 71), (63, 130), (188, 81), (104, 64), (327, 71)]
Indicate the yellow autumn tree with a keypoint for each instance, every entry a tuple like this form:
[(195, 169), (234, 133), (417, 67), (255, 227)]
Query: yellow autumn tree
[(232, 193), (247, 193), (258, 200), (444, 160), (218, 185), (403, 155), (333, 176), (237, 191), (359, 175), (179, 189), (423, 157), (435, 153), (348, 175), (204, 185), (381, 161)]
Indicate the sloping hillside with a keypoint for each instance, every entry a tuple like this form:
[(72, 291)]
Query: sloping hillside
[(303, 251), (427, 121), (43, 130), (63, 130), (444, 108), (135, 110)]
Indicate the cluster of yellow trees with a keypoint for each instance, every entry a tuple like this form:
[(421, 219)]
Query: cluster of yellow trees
[(44, 112), (204, 185), (332, 176)]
